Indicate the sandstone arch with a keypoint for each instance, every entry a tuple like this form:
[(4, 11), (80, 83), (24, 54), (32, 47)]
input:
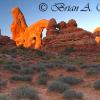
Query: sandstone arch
[(35, 34), (26, 36)]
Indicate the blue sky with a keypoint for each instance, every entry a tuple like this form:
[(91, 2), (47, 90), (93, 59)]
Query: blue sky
[(30, 8)]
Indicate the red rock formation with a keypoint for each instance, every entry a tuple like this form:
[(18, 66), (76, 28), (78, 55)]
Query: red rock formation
[(71, 23), (33, 34), (62, 25), (26, 36), (18, 25), (70, 37), (59, 36), (97, 34), (51, 28), (5, 41)]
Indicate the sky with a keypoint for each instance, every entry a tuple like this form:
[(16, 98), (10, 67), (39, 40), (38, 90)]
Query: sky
[(87, 20)]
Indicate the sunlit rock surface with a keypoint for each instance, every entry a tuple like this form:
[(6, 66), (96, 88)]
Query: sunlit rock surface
[(18, 25), (26, 36), (97, 34), (59, 36)]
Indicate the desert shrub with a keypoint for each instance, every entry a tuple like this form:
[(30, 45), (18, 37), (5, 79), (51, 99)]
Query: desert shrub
[(50, 65), (83, 66), (55, 64), (3, 83), (78, 61), (3, 61), (39, 53), (68, 50), (4, 97), (97, 60), (70, 80), (58, 86), (13, 67), (73, 95), (27, 70), (24, 92), (70, 68), (90, 71), (93, 70), (96, 85), (43, 78), (21, 78), (13, 51), (38, 67)]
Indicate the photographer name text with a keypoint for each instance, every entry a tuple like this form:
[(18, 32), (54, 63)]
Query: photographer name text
[(62, 7)]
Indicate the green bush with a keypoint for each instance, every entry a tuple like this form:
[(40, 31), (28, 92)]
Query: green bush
[(21, 78), (39, 53), (43, 78), (24, 92), (4, 97), (4, 62), (68, 50), (93, 70), (38, 67), (70, 68), (13, 67), (73, 95), (96, 85), (90, 71), (58, 86), (27, 71), (83, 66), (70, 80), (3, 83), (55, 64)]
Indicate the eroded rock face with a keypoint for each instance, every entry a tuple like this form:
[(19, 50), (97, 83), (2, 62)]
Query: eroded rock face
[(51, 28), (58, 36), (5, 41), (33, 34), (70, 36), (18, 25), (26, 36), (71, 23)]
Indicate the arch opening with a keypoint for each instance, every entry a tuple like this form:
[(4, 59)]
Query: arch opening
[(44, 33)]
